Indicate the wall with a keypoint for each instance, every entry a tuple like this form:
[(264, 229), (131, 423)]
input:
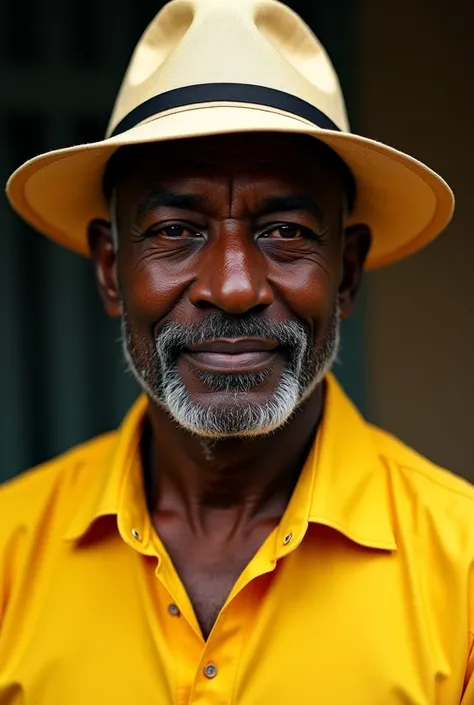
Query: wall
[(415, 69)]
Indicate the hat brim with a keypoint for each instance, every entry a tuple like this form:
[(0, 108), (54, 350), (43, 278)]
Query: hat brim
[(404, 202)]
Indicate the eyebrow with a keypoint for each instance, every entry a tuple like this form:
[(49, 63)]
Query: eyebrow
[(162, 197), (282, 204), (189, 201)]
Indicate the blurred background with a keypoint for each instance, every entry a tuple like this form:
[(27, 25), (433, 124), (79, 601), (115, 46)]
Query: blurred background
[(407, 358)]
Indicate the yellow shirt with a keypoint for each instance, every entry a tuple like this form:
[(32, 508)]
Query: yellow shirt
[(361, 596)]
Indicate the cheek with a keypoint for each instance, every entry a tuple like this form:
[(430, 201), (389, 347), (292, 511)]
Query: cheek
[(309, 287), (151, 286)]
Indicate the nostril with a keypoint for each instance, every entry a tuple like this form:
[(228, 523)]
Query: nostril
[(204, 304), (259, 308)]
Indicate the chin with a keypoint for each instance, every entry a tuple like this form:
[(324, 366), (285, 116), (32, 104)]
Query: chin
[(228, 427), (233, 413)]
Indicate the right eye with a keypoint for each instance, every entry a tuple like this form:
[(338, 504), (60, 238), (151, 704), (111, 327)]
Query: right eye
[(174, 231)]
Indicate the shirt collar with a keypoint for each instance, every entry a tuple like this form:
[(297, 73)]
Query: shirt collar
[(343, 484), (117, 484)]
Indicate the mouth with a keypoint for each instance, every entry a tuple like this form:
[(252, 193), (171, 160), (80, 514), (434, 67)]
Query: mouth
[(243, 355)]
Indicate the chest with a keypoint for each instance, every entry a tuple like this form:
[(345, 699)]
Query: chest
[(209, 570), (326, 626), (208, 579), (208, 588)]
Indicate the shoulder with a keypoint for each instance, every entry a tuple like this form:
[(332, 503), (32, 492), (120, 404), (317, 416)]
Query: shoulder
[(36, 492), (424, 492), (35, 509), (418, 468)]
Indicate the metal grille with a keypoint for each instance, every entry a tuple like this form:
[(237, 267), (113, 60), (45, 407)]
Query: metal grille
[(61, 369)]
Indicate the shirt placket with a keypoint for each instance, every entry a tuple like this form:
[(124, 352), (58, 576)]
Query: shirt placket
[(217, 669), (205, 671), (215, 678)]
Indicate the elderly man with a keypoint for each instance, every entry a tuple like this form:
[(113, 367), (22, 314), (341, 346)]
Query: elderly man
[(245, 537)]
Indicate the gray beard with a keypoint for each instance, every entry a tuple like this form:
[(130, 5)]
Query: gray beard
[(156, 370)]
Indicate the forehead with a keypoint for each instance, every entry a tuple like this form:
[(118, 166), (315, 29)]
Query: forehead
[(296, 160)]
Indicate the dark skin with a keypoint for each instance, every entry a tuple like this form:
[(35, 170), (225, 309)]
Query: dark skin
[(226, 246)]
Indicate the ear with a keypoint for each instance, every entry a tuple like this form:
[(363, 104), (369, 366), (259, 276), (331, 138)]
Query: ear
[(104, 257), (357, 239)]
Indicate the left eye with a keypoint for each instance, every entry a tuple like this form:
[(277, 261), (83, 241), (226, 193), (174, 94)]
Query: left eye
[(286, 231)]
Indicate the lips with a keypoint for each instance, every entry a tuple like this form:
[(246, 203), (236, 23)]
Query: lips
[(232, 356)]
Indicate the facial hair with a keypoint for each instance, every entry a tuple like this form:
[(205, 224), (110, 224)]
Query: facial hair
[(307, 360)]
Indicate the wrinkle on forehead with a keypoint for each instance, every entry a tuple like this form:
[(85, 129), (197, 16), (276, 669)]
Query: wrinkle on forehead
[(232, 198), (231, 154), (233, 174)]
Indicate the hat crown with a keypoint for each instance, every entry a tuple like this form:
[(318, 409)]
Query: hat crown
[(256, 42)]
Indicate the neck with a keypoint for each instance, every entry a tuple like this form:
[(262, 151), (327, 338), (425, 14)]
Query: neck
[(240, 478)]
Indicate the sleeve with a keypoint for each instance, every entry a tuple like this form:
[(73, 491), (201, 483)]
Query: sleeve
[(9, 558), (468, 690), (4, 579)]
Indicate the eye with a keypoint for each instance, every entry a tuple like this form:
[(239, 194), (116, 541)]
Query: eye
[(287, 231), (173, 231)]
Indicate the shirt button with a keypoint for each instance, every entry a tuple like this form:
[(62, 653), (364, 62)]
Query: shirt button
[(210, 671), (174, 610), (287, 538)]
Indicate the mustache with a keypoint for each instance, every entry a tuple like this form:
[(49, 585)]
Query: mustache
[(175, 337)]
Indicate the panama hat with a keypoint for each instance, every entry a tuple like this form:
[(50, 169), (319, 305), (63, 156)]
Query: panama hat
[(207, 67)]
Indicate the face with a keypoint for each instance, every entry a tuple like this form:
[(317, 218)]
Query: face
[(228, 262)]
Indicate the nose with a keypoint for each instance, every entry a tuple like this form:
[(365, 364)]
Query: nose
[(233, 275)]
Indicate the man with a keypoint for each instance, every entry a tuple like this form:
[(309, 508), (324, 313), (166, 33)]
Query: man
[(245, 537)]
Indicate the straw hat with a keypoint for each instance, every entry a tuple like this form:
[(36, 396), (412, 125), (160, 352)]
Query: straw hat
[(206, 67)]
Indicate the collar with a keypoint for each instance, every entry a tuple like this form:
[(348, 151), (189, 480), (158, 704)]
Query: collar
[(114, 485), (343, 484)]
